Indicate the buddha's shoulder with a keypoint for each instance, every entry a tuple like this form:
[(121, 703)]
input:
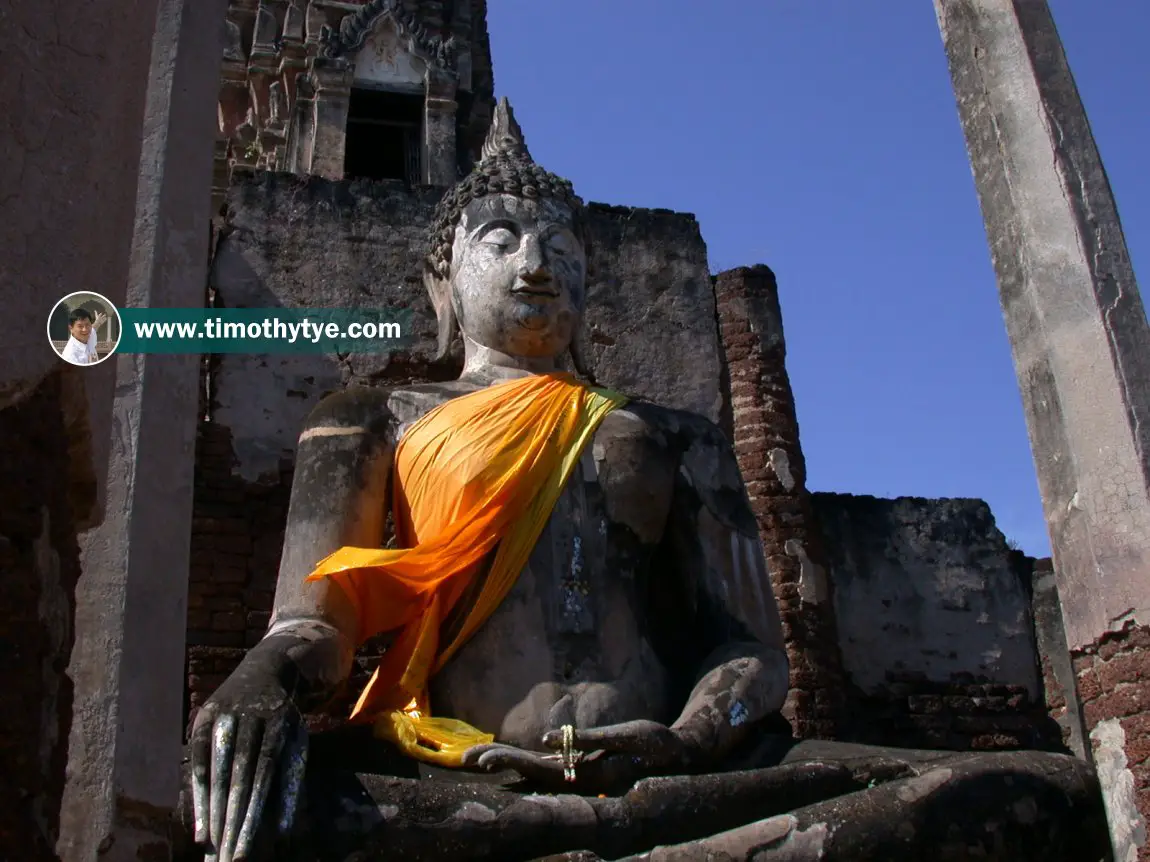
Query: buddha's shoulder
[(377, 407), (678, 429)]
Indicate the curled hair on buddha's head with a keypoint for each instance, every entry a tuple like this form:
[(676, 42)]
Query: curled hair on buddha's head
[(505, 168)]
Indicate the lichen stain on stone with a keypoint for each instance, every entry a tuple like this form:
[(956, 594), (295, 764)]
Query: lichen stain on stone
[(923, 785), (1127, 827)]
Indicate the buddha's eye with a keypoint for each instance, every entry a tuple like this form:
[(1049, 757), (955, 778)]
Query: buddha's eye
[(560, 243), (501, 238)]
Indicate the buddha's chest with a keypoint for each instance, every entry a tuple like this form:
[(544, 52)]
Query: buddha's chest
[(600, 534), (569, 637)]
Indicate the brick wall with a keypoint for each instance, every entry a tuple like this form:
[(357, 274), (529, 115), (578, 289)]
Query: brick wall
[(237, 534), (1113, 678), (915, 712), (39, 566), (909, 663), (766, 438)]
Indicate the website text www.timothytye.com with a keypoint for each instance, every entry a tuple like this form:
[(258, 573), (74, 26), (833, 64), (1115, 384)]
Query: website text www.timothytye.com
[(291, 331)]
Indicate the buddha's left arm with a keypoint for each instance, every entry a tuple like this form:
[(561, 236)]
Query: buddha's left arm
[(713, 545)]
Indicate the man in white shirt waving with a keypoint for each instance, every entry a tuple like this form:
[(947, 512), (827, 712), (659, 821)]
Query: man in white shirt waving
[(81, 346)]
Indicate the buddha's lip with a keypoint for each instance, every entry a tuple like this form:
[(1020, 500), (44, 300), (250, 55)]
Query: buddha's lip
[(531, 290)]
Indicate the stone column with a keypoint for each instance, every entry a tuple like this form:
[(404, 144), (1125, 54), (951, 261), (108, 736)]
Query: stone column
[(126, 739), (439, 152), (766, 438), (1081, 347), (332, 82)]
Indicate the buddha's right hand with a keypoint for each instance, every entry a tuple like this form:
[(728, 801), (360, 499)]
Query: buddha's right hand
[(248, 753)]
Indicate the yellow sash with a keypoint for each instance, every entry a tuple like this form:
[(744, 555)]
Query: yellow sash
[(478, 472)]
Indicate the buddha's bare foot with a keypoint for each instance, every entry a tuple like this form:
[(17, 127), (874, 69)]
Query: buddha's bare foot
[(1009, 807)]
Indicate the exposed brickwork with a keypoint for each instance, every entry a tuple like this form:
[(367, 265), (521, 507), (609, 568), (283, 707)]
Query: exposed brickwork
[(237, 535), (1113, 676), (766, 439), (962, 716), (39, 566)]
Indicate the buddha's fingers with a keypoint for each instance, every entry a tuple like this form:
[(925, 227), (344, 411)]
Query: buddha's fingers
[(266, 765), (292, 766), (223, 748), (633, 737), (248, 739), (201, 752), (532, 766)]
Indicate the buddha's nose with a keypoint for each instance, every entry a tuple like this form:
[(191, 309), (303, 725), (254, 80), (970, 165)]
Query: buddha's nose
[(533, 263)]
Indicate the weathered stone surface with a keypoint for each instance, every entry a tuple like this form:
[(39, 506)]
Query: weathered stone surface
[(44, 479), (1077, 325), (934, 623), (1062, 702), (650, 328), (127, 665), (847, 802), (1004, 807), (926, 586), (286, 83), (1079, 334), (73, 67)]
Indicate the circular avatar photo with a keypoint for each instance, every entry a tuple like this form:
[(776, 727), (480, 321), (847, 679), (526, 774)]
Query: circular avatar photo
[(84, 328)]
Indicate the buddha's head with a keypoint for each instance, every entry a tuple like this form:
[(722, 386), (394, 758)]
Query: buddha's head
[(507, 262)]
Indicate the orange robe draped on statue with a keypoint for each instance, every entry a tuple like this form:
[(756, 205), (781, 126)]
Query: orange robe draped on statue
[(480, 471)]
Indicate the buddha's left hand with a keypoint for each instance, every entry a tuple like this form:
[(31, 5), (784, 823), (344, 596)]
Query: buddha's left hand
[(607, 755)]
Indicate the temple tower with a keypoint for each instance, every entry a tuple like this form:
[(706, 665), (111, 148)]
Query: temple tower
[(374, 89)]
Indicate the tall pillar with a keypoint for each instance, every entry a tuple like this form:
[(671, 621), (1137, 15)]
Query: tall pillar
[(332, 94), (127, 665), (439, 152), (1081, 347), (766, 439)]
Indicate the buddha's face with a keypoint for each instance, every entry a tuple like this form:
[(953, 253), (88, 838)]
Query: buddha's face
[(518, 275)]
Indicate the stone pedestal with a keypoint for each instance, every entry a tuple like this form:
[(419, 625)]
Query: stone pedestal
[(1081, 347), (766, 438), (440, 157), (125, 744)]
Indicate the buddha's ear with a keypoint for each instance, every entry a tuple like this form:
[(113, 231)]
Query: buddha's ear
[(439, 290), (579, 358)]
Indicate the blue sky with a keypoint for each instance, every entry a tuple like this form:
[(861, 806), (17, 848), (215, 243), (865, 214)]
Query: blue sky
[(820, 137)]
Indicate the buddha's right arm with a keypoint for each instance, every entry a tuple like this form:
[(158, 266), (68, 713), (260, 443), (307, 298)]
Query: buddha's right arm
[(338, 498)]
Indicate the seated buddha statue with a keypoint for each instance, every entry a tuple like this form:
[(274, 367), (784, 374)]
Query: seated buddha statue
[(584, 659)]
